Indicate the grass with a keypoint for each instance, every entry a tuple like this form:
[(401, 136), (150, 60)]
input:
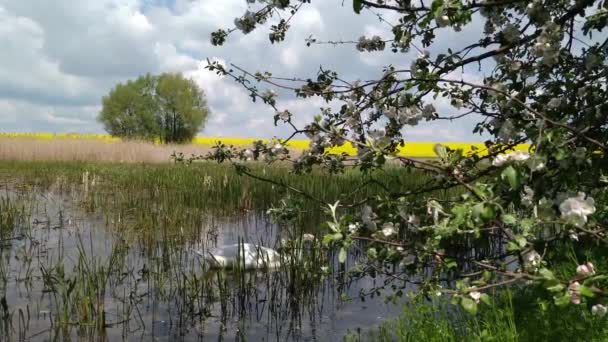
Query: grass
[(515, 317), (518, 314), (202, 185), (137, 265), (438, 321)]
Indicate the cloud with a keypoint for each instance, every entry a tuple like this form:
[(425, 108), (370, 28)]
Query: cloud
[(60, 57), (73, 119)]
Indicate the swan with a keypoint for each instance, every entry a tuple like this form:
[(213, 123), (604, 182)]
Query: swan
[(246, 255)]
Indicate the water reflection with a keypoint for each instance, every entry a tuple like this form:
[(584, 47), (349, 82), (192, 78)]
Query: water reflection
[(73, 274)]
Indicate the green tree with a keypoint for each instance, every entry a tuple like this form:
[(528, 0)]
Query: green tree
[(544, 82), (168, 107)]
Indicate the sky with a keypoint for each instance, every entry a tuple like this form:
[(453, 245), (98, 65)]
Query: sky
[(60, 57)]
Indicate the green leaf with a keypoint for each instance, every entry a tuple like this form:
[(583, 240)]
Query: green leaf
[(545, 273), (450, 263), (488, 213), (372, 253), (486, 299), (509, 219), (469, 305), (342, 255), (440, 151), (521, 241), (357, 6), (512, 246), (556, 288), (562, 300), (526, 224), (585, 291), (511, 176)]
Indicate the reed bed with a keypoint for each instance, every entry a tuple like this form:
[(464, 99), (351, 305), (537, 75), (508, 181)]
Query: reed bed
[(106, 251), (100, 147), (75, 149)]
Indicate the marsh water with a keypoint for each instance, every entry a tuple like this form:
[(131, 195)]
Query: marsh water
[(73, 269)]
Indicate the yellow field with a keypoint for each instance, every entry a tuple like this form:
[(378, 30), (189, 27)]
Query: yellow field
[(411, 149)]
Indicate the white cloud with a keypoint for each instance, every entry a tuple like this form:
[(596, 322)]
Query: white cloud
[(60, 57)]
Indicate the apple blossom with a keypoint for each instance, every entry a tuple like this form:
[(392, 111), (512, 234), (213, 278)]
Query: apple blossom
[(576, 209)]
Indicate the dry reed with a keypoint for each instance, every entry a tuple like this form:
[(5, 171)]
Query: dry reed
[(27, 149)]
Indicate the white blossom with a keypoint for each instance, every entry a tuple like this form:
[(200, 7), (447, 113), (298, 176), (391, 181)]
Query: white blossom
[(376, 134), (413, 220), (284, 115), (575, 293), (374, 43), (442, 20), (510, 33), (276, 148), (424, 54), (248, 154), (428, 110), (433, 208), (458, 103), (587, 269), (537, 164), (515, 65), (308, 237), (475, 295), (581, 92), (368, 216), (269, 93), (507, 130), (388, 229), (576, 209), (532, 260), (554, 103), (502, 159), (352, 122), (246, 23), (527, 197), (547, 45), (599, 310), (391, 112)]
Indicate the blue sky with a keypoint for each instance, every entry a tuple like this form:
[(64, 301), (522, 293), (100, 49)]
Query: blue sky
[(60, 57)]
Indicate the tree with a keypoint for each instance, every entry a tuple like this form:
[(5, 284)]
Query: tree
[(168, 107), (544, 82)]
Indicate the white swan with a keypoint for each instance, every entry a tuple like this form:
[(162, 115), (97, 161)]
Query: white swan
[(250, 256), (245, 255)]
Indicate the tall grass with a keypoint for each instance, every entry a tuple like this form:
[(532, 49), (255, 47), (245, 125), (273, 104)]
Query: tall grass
[(438, 321), (518, 313), (150, 218), (180, 189), (517, 316)]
